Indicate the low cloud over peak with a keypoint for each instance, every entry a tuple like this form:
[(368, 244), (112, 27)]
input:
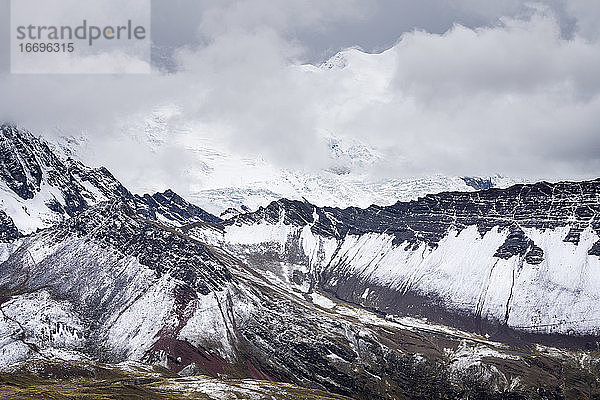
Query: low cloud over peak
[(506, 89)]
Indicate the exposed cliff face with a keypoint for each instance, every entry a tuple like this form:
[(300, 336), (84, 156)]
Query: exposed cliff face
[(36, 187), (8, 230), (427, 220), (170, 208), (524, 257)]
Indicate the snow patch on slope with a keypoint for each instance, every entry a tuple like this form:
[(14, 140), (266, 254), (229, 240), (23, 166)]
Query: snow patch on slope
[(32, 214), (136, 328), (556, 296), (210, 326), (35, 324)]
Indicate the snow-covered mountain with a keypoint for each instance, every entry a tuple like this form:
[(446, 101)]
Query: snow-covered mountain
[(108, 285), (524, 258), (39, 188), (410, 300), (216, 178)]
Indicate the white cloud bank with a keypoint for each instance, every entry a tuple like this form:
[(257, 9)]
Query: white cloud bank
[(518, 97)]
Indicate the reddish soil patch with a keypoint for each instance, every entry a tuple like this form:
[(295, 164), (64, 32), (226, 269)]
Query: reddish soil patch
[(256, 372), (181, 353)]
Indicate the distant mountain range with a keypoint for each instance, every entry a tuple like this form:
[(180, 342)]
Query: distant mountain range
[(216, 179)]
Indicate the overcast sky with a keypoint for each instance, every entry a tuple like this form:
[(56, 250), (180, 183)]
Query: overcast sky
[(463, 86)]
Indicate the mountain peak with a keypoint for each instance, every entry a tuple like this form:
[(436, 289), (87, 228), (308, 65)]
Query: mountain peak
[(170, 207), (38, 188)]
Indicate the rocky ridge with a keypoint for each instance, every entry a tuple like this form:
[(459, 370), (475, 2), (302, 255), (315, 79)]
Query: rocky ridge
[(39, 188), (524, 257)]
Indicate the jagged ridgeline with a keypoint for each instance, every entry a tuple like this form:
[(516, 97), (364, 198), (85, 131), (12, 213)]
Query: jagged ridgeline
[(40, 188), (317, 300), (525, 257), (541, 206)]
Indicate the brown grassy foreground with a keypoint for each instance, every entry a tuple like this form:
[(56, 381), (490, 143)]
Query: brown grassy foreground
[(74, 380)]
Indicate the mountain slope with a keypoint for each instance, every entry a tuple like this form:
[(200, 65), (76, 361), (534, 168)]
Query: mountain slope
[(525, 257), (112, 286), (38, 188)]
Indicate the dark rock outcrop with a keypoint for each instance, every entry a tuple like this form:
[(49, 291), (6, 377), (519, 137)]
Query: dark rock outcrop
[(8, 230), (173, 208), (541, 205), (28, 166)]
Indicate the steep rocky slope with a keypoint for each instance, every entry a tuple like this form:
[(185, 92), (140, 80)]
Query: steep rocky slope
[(170, 208), (526, 257), (38, 188), (111, 286)]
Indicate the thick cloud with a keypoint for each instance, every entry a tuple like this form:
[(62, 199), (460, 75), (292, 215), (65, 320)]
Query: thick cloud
[(467, 88)]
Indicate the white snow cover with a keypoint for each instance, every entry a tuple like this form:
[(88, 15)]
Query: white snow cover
[(557, 296), (568, 286), (29, 215), (260, 233), (322, 301), (6, 249), (48, 324), (211, 325), (317, 249), (32, 214), (216, 177), (136, 328)]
